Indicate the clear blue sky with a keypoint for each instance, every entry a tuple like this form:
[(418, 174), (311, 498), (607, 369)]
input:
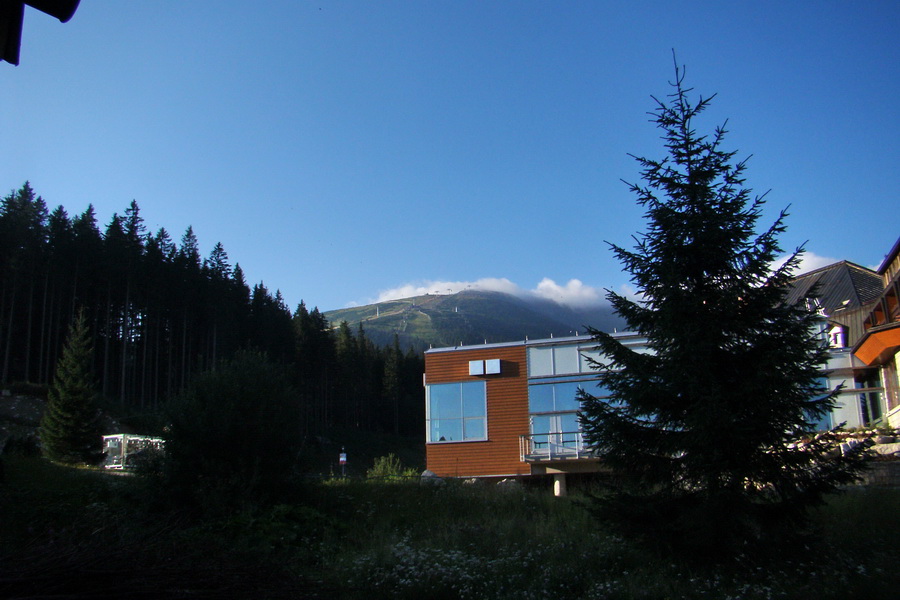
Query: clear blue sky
[(341, 150)]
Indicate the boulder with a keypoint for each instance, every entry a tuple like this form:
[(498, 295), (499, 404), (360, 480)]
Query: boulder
[(429, 477), (886, 449)]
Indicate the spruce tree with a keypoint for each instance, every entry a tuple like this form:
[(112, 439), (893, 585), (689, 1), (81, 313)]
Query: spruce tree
[(701, 434), (70, 428)]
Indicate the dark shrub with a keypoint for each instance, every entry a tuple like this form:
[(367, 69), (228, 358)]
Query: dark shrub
[(234, 435), (22, 388)]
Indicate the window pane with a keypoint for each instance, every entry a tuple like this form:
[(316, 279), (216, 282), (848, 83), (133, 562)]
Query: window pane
[(540, 362), (475, 429), (870, 406), (585, 353), (569, 422), (446, 430), (473, 399), (444, 401), (540, 424), (540, 398), (595, 389), (566, 396), (566, 360)]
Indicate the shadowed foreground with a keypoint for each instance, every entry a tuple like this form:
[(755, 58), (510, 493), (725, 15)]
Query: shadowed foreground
[(86, 534)]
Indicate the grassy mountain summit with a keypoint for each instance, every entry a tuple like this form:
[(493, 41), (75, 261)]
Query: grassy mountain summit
[(470, 317)]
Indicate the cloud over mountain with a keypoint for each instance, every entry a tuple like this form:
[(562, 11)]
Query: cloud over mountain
[(574, 293)]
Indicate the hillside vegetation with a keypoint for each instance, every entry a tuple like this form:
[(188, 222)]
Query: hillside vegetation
[(469, 317), (158, 315)]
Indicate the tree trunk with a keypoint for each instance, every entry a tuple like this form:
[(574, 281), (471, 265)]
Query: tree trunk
[(9, 331)]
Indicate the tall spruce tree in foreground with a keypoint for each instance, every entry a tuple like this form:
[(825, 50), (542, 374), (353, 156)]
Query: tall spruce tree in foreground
[(700, 434), (70, 428)]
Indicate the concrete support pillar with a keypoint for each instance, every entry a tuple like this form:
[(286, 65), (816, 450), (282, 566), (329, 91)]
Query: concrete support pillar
[(559, 484)]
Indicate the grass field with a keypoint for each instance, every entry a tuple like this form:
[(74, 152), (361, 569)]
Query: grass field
[(86, 534)]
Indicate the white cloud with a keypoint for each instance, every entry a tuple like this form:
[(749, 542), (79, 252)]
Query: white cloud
[(439, 288), (627, 290), (574, 293), (808, 262)]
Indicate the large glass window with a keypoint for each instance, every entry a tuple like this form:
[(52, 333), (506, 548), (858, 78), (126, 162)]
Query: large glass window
[(457, 412), (560, 396), (545, 361), (553, 412)]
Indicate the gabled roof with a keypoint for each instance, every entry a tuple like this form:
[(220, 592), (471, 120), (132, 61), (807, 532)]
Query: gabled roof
[(841, 286)]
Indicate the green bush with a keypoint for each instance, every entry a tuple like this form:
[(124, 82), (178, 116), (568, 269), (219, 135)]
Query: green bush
[(389, 468), (21, 445), (234, 435)]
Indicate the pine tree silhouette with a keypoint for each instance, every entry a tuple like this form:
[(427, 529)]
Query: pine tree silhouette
[(70, 428)]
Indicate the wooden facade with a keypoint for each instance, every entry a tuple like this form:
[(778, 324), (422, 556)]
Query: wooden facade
[(507, 412), (880, 344)]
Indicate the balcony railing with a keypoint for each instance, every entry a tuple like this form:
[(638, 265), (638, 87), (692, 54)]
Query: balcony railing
[(545, 447)]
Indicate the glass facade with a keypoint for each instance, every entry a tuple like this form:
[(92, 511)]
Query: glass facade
[(556, 373), (457, 412), (560, 396), (568, 359)]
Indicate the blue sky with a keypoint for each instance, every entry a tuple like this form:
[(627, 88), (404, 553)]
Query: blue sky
[(348, 151)]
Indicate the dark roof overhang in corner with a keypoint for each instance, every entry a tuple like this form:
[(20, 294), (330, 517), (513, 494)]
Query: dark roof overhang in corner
[(878, 344), (889, 257)]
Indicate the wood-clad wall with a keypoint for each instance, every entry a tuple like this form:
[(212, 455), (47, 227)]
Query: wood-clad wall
[(507, 413)]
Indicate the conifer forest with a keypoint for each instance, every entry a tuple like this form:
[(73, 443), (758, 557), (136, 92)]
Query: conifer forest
[(159, 314)]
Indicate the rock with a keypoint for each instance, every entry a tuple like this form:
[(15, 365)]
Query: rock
[(848, 446), (884, 439), (886, 449), (429, 477)]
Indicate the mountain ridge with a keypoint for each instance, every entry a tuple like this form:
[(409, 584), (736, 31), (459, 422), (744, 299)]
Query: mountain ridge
[(470, 317)]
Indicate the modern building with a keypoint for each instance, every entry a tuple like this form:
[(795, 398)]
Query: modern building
[(878, 346), (510, 409)]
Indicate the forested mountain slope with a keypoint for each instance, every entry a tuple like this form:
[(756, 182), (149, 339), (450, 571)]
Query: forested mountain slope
[(469, 317)]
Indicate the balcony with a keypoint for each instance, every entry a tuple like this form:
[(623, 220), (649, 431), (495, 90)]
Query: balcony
[(553, 447), (881, 337)]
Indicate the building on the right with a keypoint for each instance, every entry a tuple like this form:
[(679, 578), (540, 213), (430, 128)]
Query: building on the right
[(842, 294), (880, 342)]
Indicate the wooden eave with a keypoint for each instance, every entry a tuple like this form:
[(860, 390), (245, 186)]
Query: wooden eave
[(878, 344)]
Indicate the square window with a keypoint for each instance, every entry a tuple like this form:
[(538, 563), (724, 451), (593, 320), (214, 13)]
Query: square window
[(456, 412)]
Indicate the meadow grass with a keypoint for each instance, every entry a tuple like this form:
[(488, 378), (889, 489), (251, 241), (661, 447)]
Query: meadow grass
[(400, 539), (481, 541)]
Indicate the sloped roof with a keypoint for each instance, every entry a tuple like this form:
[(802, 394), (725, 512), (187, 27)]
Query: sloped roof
[(841, 286), (889, 257)]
